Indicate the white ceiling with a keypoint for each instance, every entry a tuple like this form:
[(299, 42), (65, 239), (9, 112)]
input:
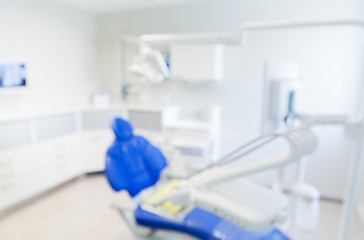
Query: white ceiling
[(108, 6)]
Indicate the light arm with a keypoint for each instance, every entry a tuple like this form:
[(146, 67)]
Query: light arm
[(220, 174), (301, 141)]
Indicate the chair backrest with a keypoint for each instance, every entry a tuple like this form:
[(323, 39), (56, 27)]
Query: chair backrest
[(132, 163)]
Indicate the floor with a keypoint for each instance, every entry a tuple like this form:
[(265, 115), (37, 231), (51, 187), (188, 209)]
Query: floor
[(81, 210)]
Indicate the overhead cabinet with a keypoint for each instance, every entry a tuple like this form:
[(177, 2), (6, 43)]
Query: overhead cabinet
[(196, 62)]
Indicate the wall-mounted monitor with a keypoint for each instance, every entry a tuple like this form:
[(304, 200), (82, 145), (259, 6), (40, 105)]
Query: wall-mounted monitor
[(12, 74)]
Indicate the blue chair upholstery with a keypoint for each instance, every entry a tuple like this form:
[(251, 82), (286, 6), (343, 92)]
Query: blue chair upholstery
[(205, 225), (132, 163)]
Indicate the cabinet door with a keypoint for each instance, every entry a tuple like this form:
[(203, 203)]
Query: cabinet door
[(14, 134), (51, 127), (18, 176), (197, 62), (57, 148), (74, 158), (95, 144), (59, 160), (100, 119)]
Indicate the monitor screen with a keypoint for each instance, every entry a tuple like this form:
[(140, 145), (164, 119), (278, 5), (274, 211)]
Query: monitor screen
[(12, 74)]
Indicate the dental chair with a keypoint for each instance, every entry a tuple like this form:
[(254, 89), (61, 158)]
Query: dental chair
[(212, 204)]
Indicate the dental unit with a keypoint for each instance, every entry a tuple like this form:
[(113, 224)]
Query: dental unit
[(218, 192)]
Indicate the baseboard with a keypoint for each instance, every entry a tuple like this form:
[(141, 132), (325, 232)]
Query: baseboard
[(90, 174)]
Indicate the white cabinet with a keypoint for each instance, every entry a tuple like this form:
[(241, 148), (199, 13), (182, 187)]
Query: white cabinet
[(16, 167), (197, 62), (37, 154), (18, 176), (29, 170), (42, 151)]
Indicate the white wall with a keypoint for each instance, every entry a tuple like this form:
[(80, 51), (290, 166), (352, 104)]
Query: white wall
[(330, 60), (59, 45)]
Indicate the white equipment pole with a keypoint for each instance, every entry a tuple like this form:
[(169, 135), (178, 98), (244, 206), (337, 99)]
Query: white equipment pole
[(353, 182)]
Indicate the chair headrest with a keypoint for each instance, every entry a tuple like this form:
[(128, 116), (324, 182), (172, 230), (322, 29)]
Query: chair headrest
[(122, 129)]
